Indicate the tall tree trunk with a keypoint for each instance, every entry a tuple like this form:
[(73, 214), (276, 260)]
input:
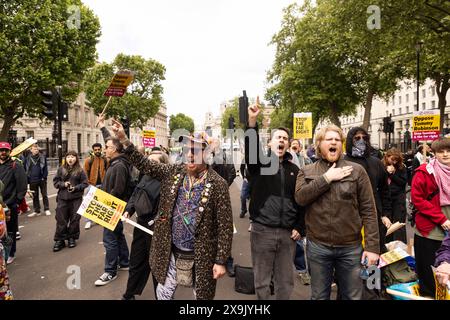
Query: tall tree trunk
[(8, 122), (442, 86), (334, 115), (368, 109)]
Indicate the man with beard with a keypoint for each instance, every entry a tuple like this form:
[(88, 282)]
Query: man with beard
[(14, 178), (275, 216), (95, 167), (338, 201)]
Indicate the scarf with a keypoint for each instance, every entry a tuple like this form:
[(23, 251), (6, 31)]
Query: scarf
[(442, 177), (359, 147)]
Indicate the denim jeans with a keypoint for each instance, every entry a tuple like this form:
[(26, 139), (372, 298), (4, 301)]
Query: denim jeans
[(343, 262), (116, 249), (245, 194), (299, 260), (272, 255)]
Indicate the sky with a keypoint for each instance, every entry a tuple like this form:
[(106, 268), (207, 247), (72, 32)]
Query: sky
[(212, 49)]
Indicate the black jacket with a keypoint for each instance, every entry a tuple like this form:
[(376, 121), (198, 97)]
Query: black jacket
[(145, 198), (224, 168), (14, 178), (272, 201), (78, 181), (117, 177)]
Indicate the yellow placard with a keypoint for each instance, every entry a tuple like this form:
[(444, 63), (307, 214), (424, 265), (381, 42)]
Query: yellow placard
[(149, 133), (303, 125), (22, 147), (426, 125), (442, 292), (102, 208)]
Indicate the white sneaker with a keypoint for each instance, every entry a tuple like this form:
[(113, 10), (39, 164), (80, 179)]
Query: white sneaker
[(34, 214), (105, 279), (10, 260), (48, 213), (88, 225)]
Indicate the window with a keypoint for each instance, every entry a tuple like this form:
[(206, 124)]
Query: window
[(424, 105), (96, 138), (387, 113), (77, 115), (407, 109), (86, 118), (407, 122), (399, 99), (399, 110), (415, 95), (30, 134), (407, 97), (433, 90), (424, 95), (88, 139), (433, 104), (415, 108), (393, 112), (400, 124)]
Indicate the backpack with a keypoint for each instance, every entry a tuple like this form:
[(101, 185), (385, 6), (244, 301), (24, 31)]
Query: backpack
[(414, 210), (398, 272), (132, 181)]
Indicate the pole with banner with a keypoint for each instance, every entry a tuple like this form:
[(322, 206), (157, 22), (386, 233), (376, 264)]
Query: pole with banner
[(426, 127)]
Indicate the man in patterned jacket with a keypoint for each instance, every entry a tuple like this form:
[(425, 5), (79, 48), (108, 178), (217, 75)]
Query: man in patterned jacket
[(194, 225)]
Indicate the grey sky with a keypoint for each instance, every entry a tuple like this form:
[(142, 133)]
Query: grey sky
[(212, 49)]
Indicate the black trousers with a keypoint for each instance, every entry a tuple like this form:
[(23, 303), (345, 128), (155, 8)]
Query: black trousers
[(139, 261), (425, 254), (35, 186), (67, 219), (13, 226)]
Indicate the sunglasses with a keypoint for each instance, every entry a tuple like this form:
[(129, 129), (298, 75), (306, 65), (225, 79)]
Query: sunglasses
[(357, 138)]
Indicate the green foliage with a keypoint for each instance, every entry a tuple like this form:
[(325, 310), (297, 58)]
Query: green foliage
[(181, 121), (39, 51), (144, 96)]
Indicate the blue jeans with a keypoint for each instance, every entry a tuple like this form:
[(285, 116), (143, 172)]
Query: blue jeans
[(245, 194), (343, 262), (116, 249), (299, 259)]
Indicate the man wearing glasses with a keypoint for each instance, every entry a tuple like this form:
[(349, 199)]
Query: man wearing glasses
[(194, 225)]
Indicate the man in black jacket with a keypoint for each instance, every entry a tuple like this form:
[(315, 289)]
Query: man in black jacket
[(115, 183), (14, 179), (275, 215)]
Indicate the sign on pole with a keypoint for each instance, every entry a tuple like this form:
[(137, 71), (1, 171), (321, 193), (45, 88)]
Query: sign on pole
[(426, 125), (303, 125), (102, 208), (149, 137), (119, 84), (22, 147)]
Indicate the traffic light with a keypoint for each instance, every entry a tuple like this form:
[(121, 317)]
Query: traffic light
[(391, 126), (64, 111), (50, 103), (231, 123), (386, 124)]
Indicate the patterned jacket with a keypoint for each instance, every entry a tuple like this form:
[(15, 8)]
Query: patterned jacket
[(214, 223)]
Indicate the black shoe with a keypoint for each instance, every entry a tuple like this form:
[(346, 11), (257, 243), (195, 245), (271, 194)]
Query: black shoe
[(242, 215), (59, 245), (124, 297), (72, 243)]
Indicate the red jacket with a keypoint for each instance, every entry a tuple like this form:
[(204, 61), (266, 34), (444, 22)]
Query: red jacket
[(430, 214)]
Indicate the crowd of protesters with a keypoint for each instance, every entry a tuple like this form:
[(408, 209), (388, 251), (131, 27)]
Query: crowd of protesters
[(318, 212)]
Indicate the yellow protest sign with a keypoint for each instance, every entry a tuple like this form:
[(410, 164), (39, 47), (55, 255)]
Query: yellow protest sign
[(392, 256), (426, 125), (442, 292), (102, 208), (119, 84), (23, 146), (303, 125), (149, 137)]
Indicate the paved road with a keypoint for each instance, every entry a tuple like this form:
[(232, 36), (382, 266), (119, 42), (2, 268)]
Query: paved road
[(39, 273)]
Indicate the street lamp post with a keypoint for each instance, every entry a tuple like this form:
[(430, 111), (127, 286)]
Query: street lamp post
[(407, 138)]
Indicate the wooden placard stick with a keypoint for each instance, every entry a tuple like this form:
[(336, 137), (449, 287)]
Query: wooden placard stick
[(104, 109)]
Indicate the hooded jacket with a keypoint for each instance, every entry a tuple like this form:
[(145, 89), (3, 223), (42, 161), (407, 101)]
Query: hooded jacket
[(117, 177), (14, 178)]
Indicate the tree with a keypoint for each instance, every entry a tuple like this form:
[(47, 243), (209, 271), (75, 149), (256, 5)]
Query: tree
[(181, 121), (306, 74), (40, 48), (144, 96)]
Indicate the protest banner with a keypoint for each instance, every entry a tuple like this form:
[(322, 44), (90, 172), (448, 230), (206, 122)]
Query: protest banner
[(102, 208), (303, 125), (392, 256), (442, 291), (426, 125), (22, 147), (149, 137), (119, 84)]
